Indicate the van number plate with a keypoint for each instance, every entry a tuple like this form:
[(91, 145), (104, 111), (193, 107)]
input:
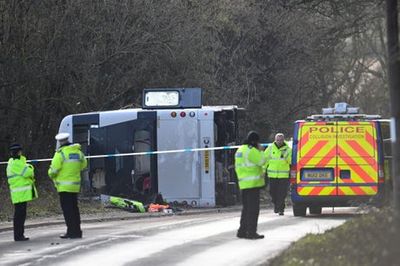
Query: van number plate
[(317, 174)]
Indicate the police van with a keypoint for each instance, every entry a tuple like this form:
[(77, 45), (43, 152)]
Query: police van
[(337, 159), (169, 120)]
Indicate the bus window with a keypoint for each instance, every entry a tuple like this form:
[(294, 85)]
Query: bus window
[(141, 175), (225, 135)]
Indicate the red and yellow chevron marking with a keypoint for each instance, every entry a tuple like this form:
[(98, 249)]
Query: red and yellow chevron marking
[(357, 191), (338, 145), (359, 155), (316, 191), (315, 151)]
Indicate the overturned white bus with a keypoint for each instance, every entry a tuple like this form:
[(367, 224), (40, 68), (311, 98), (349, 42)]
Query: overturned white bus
[(170, 119)]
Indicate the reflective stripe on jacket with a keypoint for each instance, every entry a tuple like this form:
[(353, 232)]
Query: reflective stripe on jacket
[(248, 167), (66, 167), (21, 180), (278, 161)]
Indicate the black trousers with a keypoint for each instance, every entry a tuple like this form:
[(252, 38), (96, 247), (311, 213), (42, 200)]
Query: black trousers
[(19, 219), (278, 188), (250, 211), (69, 206)]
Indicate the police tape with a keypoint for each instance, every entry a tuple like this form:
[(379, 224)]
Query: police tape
[(148, 153)]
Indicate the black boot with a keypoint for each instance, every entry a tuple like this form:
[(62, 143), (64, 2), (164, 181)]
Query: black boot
[(64, 236), (22, 238), (254, 236), (241, 234)]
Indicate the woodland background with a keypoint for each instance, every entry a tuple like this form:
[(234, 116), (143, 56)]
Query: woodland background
[(280, 59)]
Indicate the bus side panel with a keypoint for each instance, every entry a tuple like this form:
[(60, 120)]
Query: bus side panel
[(178, 178), (316, 159), (357, 171), (207, 158)]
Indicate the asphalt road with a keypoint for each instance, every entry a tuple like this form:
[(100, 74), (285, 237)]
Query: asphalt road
[(202, 239)]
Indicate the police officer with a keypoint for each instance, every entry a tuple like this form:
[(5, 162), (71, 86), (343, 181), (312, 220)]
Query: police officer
[(65, 171), (278, 159), (20, 177), (249, 160)]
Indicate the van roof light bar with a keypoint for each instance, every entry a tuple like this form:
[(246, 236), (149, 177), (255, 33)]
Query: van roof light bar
[(327, 111), (353, 110), (340, 108), (351, 117)]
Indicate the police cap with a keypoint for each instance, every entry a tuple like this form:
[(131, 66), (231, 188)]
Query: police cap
[(62, 136), (15, 147)]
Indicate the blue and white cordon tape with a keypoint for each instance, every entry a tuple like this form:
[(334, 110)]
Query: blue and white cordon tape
[(148, 153)]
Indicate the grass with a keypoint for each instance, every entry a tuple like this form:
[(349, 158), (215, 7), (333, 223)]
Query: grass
[(47, 205), (371, 239)]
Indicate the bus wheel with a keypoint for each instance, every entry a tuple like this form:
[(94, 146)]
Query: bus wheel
[(315, 210), (299, 210)]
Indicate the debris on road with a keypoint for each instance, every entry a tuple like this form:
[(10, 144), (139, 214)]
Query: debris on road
[(125, 204), (153, 207)]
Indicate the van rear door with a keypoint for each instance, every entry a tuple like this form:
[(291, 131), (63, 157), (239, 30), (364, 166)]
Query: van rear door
[(357, 166), (317, 160)]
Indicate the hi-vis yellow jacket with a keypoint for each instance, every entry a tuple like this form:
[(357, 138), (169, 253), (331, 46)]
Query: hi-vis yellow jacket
[(248, 166), (278, 161), (66, 167), (20, 177)]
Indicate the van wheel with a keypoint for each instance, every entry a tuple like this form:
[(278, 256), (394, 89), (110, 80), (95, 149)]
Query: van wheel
[(299, 210), (315, 210)]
